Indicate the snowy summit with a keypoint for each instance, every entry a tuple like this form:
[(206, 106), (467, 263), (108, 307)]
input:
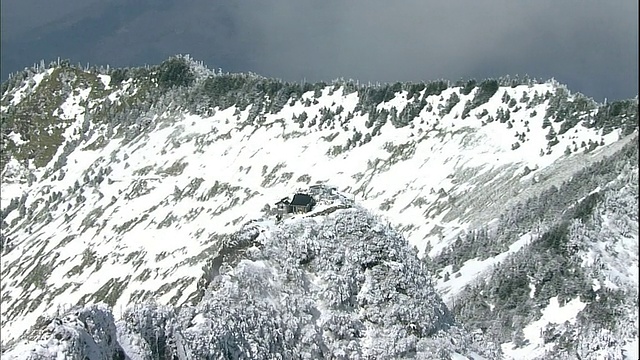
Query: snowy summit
[(173, 211)]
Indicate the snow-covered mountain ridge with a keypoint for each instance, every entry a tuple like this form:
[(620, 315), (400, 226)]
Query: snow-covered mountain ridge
[(118, 186), (307, 287)]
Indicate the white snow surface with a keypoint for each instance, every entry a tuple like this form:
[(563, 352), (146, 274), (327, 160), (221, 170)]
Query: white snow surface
[(472, 356), (89, 332), (473, 269), (631, 350), (552, 314), (28, 87), (167, 194)]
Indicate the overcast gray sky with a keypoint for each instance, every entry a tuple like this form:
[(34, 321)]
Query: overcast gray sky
[(592, 46)]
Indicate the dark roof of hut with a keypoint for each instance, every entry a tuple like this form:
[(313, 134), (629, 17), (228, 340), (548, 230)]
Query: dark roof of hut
[(301, 199)]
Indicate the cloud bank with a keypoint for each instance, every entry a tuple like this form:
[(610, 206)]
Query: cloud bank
[(591, 46)]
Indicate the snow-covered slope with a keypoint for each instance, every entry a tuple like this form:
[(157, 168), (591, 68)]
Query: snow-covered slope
[(118, 186), (307, 288)]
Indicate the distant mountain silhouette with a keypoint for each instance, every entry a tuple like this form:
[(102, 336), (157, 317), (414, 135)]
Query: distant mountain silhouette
[(123, 33)]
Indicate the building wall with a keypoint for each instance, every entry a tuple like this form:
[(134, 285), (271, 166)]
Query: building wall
[(283, 209), (298, 208)]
